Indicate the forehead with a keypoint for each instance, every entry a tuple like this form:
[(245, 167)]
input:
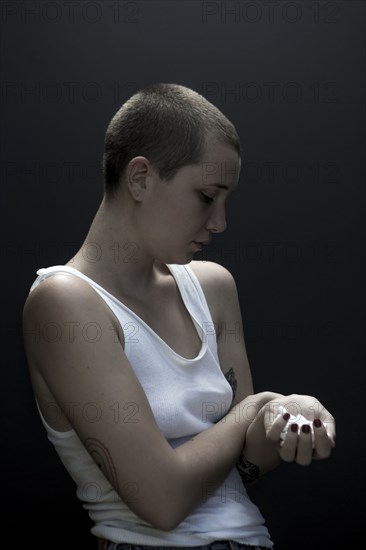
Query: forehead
[(220, 163)]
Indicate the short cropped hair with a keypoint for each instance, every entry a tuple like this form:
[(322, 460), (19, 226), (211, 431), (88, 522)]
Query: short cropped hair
[(166, 123)]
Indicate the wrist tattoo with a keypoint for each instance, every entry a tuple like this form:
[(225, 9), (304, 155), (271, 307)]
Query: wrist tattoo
[(248, 471)]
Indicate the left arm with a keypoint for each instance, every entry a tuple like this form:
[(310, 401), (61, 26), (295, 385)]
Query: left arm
[(259, 455), (222, 298), (262, 451)]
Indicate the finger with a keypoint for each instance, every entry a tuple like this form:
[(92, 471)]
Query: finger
[(275, 428), (304, 454), (288, 449), (330, 428), (323, 443), (329, 422)]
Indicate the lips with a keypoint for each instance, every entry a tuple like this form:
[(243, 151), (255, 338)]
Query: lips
[(202, 242)]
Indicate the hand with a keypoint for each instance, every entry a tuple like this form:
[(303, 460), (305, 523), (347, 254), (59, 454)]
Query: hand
[(314, 439)]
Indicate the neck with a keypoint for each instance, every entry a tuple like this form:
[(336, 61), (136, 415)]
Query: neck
[(112, 255)]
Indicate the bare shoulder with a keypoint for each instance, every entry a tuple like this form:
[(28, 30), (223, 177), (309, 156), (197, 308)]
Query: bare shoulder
[(218, 285), (66, 297), (62, 290), (56, 286), (212, 276)]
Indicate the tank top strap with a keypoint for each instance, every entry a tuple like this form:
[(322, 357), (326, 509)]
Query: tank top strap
[(193, 294), (187, 282), (45, 272)]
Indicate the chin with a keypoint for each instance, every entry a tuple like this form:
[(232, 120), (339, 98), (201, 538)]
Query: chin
[(181, 259), (183, 262), (187, 260)]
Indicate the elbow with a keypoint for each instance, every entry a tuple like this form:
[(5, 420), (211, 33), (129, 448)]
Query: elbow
[(164, 502), (166, 524), (167, 518), (165, 515)]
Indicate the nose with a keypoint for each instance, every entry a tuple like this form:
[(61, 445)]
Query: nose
[(217, 220)]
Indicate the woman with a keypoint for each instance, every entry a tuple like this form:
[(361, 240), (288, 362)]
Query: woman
[(142, 388)]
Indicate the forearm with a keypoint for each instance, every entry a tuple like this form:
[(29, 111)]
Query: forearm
[(259, 455), (208, 458), (206, 467)]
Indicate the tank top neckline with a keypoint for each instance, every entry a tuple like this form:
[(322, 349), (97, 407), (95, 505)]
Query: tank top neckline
[(148, 328)]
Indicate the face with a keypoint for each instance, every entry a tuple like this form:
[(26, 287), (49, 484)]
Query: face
[(191, 207)]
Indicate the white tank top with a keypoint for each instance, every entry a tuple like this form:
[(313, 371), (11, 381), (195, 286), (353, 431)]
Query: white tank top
[(186, 396)]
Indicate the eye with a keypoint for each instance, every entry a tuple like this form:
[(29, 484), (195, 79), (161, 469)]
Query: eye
[(206, 199)]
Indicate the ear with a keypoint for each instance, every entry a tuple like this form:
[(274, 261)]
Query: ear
[(138, 170)]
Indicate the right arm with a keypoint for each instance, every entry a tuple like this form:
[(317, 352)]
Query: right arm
[(170, 482)]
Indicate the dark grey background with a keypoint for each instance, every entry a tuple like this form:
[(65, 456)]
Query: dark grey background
[(291, 76)]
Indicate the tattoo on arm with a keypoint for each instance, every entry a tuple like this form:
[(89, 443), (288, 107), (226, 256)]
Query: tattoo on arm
[(248, 471), (103, 460), (230, 377)]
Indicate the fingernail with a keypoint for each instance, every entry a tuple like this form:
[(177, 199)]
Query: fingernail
[(294, 427), (306, 428), (317, 422), (286, 416)]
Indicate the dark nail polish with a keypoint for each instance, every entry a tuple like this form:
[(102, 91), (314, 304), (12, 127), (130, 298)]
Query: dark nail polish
[(317, 423), (306, 428), (286, 416), (294, 427)]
